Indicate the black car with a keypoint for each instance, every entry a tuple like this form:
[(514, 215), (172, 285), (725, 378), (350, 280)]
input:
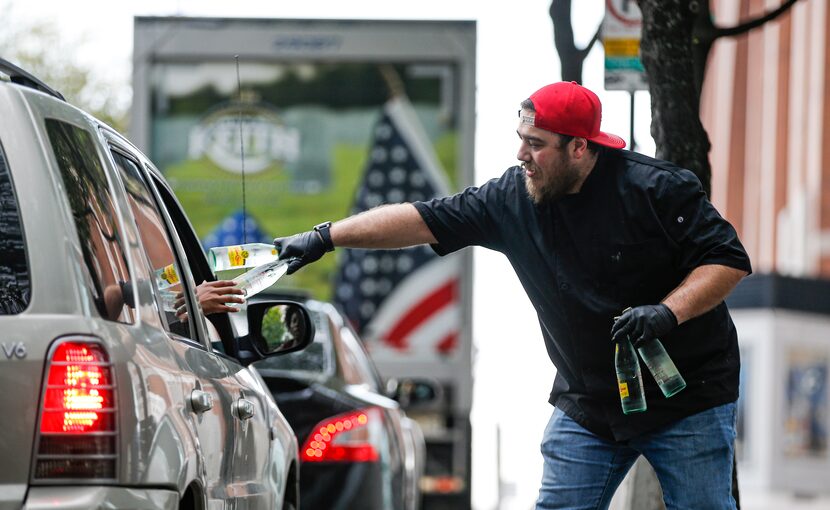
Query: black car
[(358, 450)]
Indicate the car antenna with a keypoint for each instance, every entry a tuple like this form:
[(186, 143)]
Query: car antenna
[(241, 154)]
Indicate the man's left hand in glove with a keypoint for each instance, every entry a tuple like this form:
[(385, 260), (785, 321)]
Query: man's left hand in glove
[(643, 323), (304, 248)]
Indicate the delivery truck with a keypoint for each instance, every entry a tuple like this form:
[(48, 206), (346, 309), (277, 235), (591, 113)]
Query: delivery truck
[(268, 127)]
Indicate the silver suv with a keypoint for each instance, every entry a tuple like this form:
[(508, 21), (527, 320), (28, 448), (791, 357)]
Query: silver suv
[(109, 398)]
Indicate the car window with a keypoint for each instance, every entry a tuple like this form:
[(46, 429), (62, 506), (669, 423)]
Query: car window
[(157, 246), (93, 210), (361, 357), (316, 359), (218, 324), (352, 360), (14, 268)]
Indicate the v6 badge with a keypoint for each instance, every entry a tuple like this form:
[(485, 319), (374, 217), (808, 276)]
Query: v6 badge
[(14, 350)]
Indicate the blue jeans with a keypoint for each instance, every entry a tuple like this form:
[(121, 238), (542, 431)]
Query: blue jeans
[(692, 458)]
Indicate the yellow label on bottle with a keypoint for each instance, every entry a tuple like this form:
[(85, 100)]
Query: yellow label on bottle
[(624, 390), (169, 275), (237, 256)]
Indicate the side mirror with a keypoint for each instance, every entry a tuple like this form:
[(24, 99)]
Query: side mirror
[(274, 328), (411, 393)]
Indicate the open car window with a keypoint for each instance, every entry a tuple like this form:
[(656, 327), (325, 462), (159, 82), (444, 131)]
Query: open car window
[(219, 324)]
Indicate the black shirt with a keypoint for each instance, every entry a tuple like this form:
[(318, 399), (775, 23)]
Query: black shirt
[(634, 231)]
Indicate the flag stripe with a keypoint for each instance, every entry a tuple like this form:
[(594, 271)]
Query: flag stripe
[(448, 343), (439, 298), (431, 330)]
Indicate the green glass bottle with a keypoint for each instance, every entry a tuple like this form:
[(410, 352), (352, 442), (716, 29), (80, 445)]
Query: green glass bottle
[(629, 378), (662, 367)]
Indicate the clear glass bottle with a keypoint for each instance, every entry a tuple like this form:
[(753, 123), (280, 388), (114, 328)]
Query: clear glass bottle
[(168, 300), (261, 277), (241, 256), (166, 277), (629, 378), (662, 367)]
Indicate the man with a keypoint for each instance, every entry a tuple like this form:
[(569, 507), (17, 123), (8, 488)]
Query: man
[(592, 230)]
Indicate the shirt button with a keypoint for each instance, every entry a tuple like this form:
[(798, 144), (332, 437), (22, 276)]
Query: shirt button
[(680, 219), (564, 286)]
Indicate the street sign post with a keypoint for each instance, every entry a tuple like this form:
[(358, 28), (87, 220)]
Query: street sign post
[(621, 29)]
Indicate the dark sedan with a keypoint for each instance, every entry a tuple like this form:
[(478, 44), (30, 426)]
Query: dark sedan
[(358, 449)]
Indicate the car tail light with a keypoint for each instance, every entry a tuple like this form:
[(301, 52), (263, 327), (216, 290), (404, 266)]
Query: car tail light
[(77, 432), (349, 437)]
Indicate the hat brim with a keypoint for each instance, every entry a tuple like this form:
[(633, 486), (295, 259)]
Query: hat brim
[(608, 140)]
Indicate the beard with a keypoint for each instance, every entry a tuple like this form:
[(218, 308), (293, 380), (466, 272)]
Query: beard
[(552, 183)]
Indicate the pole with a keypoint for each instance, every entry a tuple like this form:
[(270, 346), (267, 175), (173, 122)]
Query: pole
[(633, 144)]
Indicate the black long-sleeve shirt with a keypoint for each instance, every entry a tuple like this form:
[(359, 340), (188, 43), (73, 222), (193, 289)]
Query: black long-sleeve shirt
[(634, 231)]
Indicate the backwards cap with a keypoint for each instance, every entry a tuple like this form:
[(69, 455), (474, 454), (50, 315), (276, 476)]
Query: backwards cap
[(568, 108)]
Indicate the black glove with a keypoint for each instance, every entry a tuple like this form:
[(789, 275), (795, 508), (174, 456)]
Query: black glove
[(643, 323), (300, 249)]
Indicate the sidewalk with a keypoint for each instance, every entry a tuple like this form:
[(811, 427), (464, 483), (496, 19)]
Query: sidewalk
[(781, 501)]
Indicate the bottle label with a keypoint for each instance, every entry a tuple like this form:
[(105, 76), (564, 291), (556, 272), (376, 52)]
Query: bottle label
[(169, 275), (237, 256), (623, 390)]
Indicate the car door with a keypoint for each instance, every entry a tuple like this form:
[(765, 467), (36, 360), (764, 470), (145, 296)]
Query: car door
[(352, 352), (256, 479), (207, 379)]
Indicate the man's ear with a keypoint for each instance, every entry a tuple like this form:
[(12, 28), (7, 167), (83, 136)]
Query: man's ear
[(580, 146)]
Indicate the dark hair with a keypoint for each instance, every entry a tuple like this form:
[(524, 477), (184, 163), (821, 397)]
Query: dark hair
[(593, 148)]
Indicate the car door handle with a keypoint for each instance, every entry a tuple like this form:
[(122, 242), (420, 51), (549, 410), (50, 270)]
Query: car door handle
[(200, 401), (243, 409)]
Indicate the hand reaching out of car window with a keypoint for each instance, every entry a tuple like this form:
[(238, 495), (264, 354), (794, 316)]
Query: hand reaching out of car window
[(214, 298)]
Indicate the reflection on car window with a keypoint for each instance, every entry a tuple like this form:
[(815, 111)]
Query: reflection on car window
[(363, 363), (154, 239), (88, 192), (316, 358), (14, 270)]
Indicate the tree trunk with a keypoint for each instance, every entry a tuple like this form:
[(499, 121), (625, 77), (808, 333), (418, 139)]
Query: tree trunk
[(571, 58), (667, 55)]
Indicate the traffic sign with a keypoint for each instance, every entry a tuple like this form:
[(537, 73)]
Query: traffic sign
[(621, 29)]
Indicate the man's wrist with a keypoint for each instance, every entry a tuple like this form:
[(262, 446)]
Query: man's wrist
[(669, 314), (324, 231)]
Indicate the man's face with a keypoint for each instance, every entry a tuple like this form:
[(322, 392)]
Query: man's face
[(549, 169)]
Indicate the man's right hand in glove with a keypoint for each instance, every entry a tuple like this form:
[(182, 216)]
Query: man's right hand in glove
[(302, 249)]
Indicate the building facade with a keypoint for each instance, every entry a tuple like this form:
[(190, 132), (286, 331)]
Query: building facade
[(766, 107)]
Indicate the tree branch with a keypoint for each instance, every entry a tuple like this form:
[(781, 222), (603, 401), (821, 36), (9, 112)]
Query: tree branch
[(753, 23), (584, 52), (563, 34)]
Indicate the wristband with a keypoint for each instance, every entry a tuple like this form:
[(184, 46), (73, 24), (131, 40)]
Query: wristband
[(324, 230)]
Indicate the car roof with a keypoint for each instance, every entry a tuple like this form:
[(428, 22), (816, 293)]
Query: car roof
[(21, 77)]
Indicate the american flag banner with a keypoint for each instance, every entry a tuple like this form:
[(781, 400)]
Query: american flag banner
[(401, 301)]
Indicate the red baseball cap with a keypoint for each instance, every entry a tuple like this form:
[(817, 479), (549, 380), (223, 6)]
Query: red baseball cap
[(568, 108)]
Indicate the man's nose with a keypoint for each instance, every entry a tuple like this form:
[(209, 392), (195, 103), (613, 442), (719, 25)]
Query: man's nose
[(523, 154)]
